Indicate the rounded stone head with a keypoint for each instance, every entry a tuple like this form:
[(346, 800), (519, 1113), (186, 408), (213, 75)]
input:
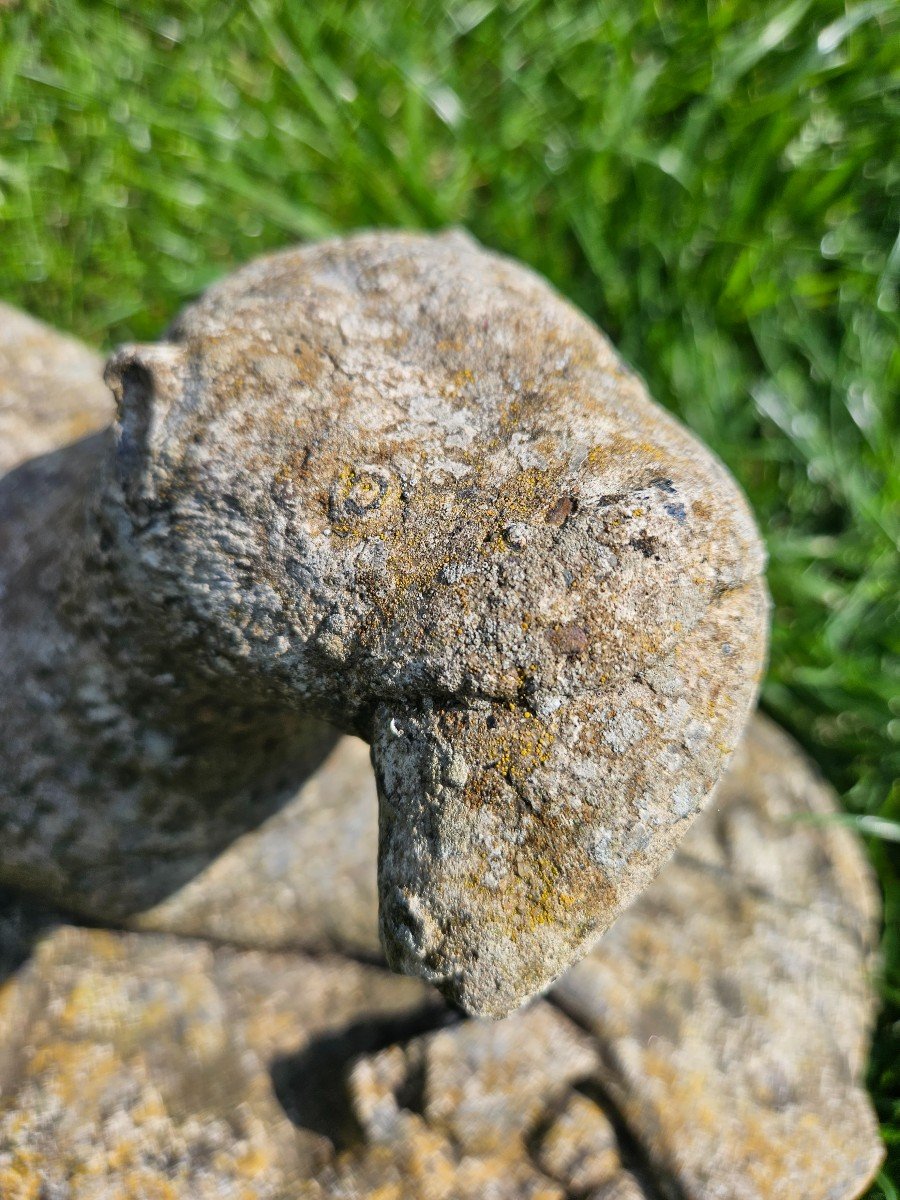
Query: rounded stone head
[(401, 483)]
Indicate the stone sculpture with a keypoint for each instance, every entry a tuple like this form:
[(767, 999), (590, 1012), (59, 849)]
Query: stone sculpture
[(710, 1044)]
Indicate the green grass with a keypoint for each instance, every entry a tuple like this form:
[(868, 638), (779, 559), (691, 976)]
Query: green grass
[(719, 186)]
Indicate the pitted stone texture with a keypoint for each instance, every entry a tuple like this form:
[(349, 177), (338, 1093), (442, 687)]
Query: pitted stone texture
[(308, 878), (721, 1023), (326, 387), (734, 1001), (461, 1102), (121, 774), (403, 484), (731, 1005), (453, 1114), (485, 1087), (490, 887), (395, 482), (142, 1066)]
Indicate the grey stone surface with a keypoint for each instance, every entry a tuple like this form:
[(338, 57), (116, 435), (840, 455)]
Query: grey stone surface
[(119, 779), (53, 406), (51, 389), (734, 1000), (397, 483), (710, 1046), (711, 1043), (304, 879)]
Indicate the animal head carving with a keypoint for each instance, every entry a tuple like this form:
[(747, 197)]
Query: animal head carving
[(400, 482)]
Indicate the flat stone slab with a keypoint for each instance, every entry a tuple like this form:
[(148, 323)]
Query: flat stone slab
[(139, 1066)]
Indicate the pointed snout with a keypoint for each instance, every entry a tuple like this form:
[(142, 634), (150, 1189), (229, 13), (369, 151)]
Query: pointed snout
[(485, 889)]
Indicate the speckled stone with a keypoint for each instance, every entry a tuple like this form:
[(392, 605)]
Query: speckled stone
[(734, 1000), (397, 483), (713, 1042), (319, 867), (143, 1066)]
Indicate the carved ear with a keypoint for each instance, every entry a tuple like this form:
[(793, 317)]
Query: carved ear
[(146, 382)]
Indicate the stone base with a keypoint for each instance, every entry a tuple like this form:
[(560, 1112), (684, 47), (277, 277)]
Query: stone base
[(710, 1046)]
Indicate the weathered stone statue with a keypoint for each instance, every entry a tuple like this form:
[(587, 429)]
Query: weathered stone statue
[(395, 486), (396, 483)]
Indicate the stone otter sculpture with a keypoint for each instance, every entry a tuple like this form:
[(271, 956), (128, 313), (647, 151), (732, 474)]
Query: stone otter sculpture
[(397, 484)]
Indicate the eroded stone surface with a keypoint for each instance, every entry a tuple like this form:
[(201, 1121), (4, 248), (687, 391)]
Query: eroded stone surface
[(728, 1010), (712, 1042), (319, 871), (143, 1066), (472, 1107), (734, 1000), (396, 482), (117, 784), (466, 1098)]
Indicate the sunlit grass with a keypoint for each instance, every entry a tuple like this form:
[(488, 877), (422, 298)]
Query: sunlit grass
[(718, 186)]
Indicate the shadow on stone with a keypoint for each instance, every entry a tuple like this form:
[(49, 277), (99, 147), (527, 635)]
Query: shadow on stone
[(22, 922), (312, 1084), (123, 771), (634, 1154)]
